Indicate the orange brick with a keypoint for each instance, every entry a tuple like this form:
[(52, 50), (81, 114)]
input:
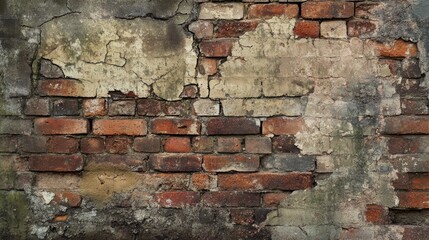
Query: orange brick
[(327, 10), (282, 126), (92, 145), (68, 199), (177, 199), (60, 87), (175, 126), (55, 163), (265, 181), (273, 199), (413, 199), (397, 49), (94, 107), (134, 127), (307, 29), (273, 10), (216, 48), (177, 144), (226, 163), (207, 66), (376, 214), (52, 126), (200, 181)]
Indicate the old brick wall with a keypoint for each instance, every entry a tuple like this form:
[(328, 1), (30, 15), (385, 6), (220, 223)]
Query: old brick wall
[(198, 119)]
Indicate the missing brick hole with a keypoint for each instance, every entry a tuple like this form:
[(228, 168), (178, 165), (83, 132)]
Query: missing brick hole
[(409, 217)]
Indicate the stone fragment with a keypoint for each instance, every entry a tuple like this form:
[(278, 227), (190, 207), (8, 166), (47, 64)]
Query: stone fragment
[(221, 11), (327, 10), (201, 29), (263, 107), (333, 29), (206, 107), (50, 70)]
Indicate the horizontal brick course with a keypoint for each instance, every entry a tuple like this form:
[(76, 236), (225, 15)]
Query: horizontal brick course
[(53, 126), (133, 127), (55, 163)]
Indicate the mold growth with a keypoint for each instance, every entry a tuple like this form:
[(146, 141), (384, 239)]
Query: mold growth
[(14, 210)]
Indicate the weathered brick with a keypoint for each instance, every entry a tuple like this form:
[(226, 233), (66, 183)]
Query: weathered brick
[(177, 144), (231, 199), (234, 28), (207, 66), (414, 106), (273, 10), (413, 199), (177, 199), (201, 29), (175, 126), (94, 107), (397, 49), (289, 163), (60, 87), (200, 181), (132, 127), (118, 145), (406, 145), (361, 28), (376, 214), (122, 108), (282, 126), (68, 199), (307, 29), (258, 145), (37, 107), (415, 232), (61, 144), (34, 144), (273, 199), (56, 182), (190, 91), (203, 144), (52, 126), (65, 107), (265, 181), (147, 145), (221, 11), (412, 181), (406, 125), (206, 107), (284, 144), (411, 68), (232, 126), (242, 216), (55, 163), (227, 163), (327, 10), (8, 144), (149, 107), (15, 126), (92, 145), (333, 29), (216, 47), (128, 162), (50, 70), (175, 162), (229, 145)]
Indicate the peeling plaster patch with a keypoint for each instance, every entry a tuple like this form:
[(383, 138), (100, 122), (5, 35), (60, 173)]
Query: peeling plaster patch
[(39, 231), (47, 197), (118, 54)]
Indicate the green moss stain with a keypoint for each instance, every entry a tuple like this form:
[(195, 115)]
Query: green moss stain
[(14, 210)]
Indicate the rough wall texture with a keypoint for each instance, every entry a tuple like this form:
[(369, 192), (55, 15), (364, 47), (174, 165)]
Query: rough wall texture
[(181, 119)]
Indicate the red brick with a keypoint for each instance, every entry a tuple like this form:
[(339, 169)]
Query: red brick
[(34, 144), (207, 66), (94, 107), (327, 10), (231, 199), (52, 126), (149, 107), (175, 162), (410, 106), (242, 216), (175, 126), (406, 125), (415, 233), (37, 107), (61, 144), (397, 49), (227, 163), (284, 144), (361, 28), (216, 48), (376, 214), (412, 199), (229, 145), (189, 91), (147, 145), (55, 163), (92, 145), (232, 126), (66, 107), (177, 144), (132, 127), (307, 29), (282, 126), (68, 199), (412, 181), (200, 181), (118, 145), (265, 181), (273, 199), (122, 108), (258, 145), (235, 28), (403, 145), (203, 144), (61, 218), (128, 162), (177, 199), (201, 29), (273, 10), (60, 87)]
